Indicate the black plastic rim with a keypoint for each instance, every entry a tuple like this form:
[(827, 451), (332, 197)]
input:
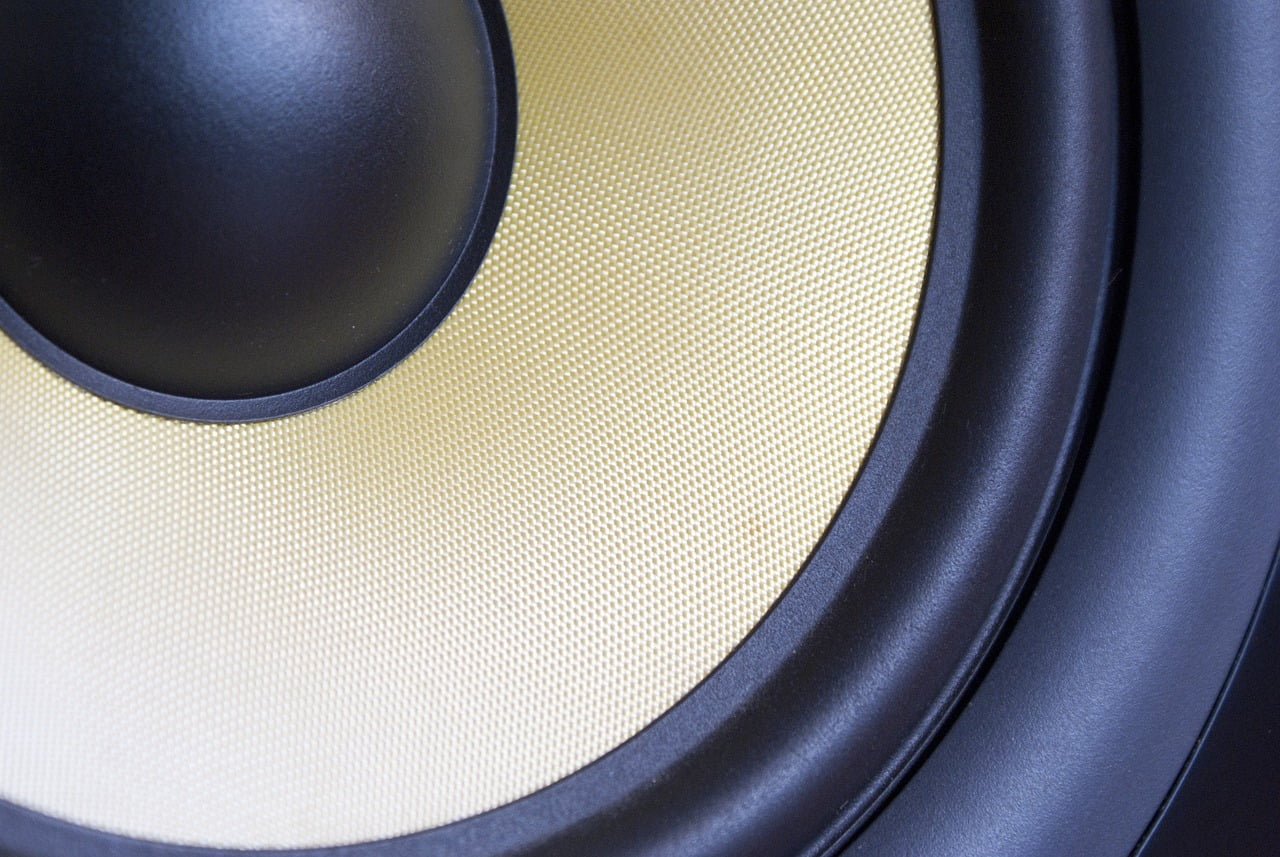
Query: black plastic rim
[(1095, 707), (500, 157)]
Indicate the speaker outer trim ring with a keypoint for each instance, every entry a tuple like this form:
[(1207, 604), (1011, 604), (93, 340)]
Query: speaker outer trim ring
[(1239, 744), (1009, 320), (500, 160)]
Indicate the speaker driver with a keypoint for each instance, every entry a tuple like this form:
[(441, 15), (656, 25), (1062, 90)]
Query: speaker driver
[(548, 524)]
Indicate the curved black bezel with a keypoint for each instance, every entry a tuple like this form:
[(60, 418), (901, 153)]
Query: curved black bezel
[(805, 727), (1098, 700), (500, 158)]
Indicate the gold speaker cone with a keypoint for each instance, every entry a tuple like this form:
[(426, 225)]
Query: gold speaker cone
[(539, 532)]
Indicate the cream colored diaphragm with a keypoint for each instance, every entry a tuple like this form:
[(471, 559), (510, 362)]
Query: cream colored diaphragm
[(545, 527)]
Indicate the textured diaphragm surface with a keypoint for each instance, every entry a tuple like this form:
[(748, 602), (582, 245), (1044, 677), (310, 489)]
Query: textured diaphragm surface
[(547, 525)]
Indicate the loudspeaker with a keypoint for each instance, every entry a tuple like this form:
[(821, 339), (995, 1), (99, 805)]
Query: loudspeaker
[(509, 427)]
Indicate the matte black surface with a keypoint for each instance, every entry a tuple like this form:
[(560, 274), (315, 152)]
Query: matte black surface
[(803, 729), (1229, 801), (235, 199), (1073, 739)]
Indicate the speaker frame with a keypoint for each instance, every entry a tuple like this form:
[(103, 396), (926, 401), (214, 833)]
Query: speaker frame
[(1090, 718)]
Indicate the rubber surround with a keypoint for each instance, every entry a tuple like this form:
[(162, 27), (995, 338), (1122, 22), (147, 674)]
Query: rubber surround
[(1098, 697)]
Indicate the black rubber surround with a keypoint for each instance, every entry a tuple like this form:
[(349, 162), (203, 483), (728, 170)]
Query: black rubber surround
[(804, 728), (238, 344), (1100, 695)]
